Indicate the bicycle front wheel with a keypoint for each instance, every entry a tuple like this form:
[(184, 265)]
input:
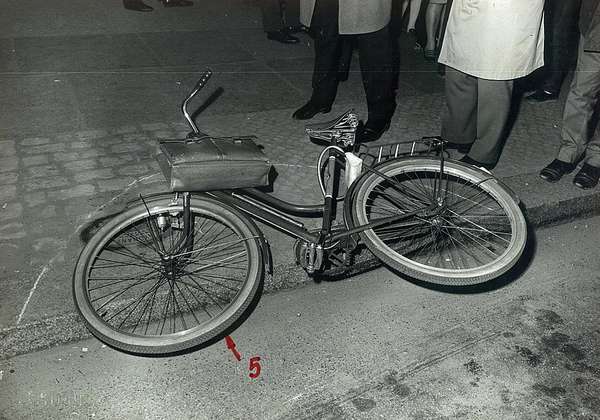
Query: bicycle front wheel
[(140, 291), (474, 232)]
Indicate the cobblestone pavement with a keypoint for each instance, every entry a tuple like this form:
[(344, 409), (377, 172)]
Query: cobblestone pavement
[(78, 130)]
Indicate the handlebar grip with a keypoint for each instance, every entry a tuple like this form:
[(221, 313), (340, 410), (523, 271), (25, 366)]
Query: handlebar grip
[(203, 79)]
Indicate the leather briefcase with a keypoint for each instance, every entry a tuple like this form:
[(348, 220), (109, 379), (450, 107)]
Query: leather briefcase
[(213, 163)]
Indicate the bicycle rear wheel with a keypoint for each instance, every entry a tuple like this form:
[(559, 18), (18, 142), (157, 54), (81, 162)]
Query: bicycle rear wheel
[(476, 233), (139, 292)]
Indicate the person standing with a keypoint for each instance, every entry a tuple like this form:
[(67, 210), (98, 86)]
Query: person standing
[(329, 22), (487, 45), (580, 106), (560, 41), (280, 18)]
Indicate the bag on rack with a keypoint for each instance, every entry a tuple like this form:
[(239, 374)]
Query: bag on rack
[(213, 163)]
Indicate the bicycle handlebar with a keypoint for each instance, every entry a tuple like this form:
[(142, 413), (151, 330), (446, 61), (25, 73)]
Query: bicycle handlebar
[(199, 85)]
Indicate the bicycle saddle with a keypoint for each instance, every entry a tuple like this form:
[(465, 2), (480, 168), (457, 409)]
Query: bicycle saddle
[(342, 129)]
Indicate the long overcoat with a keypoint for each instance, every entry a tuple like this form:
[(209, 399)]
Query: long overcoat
[(355, 16), (496, 40)]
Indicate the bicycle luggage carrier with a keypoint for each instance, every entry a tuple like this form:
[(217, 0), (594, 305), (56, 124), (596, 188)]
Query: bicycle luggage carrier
[(377, 153)]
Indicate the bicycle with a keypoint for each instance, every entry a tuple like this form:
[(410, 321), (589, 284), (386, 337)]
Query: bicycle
[(177, 271)]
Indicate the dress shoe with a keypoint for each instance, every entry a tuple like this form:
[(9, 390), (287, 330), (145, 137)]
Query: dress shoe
[(294, 29), (282, 36), (177, 3), (556, 169), (373, 130), (470, 161), (309, 110), (460, 147), (137, 6), (541, 95), (587, 177)]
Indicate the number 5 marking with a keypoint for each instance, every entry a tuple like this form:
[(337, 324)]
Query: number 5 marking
[(254, 366)]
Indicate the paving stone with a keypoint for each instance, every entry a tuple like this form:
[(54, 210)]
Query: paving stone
[(34, 160), (7, 192), (34, 141), (133, 170), (126, 147), (91, 134), (124, 129), (80, 165), (83, 154), (9, 178), (45, 170), (11, 211), (46, 148), (113, 184), (113, 161), (80, 144), (95, 174), (155, 126), (83, 190), (8, 164), (65, 137), (7, 148), (12, 231), (34, 199), (46, 212), (46, 183)]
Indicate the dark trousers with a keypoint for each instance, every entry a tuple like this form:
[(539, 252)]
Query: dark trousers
[(561, 34), (376, 64), (277, 14), (582, 100)]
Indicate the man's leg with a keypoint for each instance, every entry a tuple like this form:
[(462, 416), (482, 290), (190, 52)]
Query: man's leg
[(271, 15), (459, 121), (375, 52), (327, 41), (291, 13), (579, 107), (493, 107), (562, 40), (327, 51)]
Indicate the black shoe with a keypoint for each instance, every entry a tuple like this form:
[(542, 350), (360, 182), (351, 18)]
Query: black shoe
[(587, 177), (541, 95), (177, 3), (460, 147), (309, 110), (294, 29), (137, 6), (282, 36), (373, 130), (556, 169), (469, 161)]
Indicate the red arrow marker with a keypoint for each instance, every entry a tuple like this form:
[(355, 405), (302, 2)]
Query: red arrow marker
[(231, 346)]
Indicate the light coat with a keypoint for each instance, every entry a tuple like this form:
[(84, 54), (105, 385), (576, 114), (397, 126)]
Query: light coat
[(495, 39), (355, 16)]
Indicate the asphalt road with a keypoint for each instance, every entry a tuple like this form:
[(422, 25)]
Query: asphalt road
[(374, 346)]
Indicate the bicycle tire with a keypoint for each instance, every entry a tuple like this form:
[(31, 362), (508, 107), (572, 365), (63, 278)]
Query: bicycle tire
[(429, 249), (123, 259)]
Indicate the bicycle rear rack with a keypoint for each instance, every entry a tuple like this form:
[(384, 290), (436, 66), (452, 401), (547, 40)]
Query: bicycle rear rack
[(374, 154)]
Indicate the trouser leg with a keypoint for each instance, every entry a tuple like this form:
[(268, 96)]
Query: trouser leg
[(271, 15), (493, 107), (561, 37), (376, 65), (579, 108), (291, 12), (324, 27), (459, 121)]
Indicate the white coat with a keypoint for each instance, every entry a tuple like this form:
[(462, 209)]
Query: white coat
[(355, 16), (495, 39)]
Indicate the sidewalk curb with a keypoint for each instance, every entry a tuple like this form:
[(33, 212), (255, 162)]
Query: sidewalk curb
[(68, 327)]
